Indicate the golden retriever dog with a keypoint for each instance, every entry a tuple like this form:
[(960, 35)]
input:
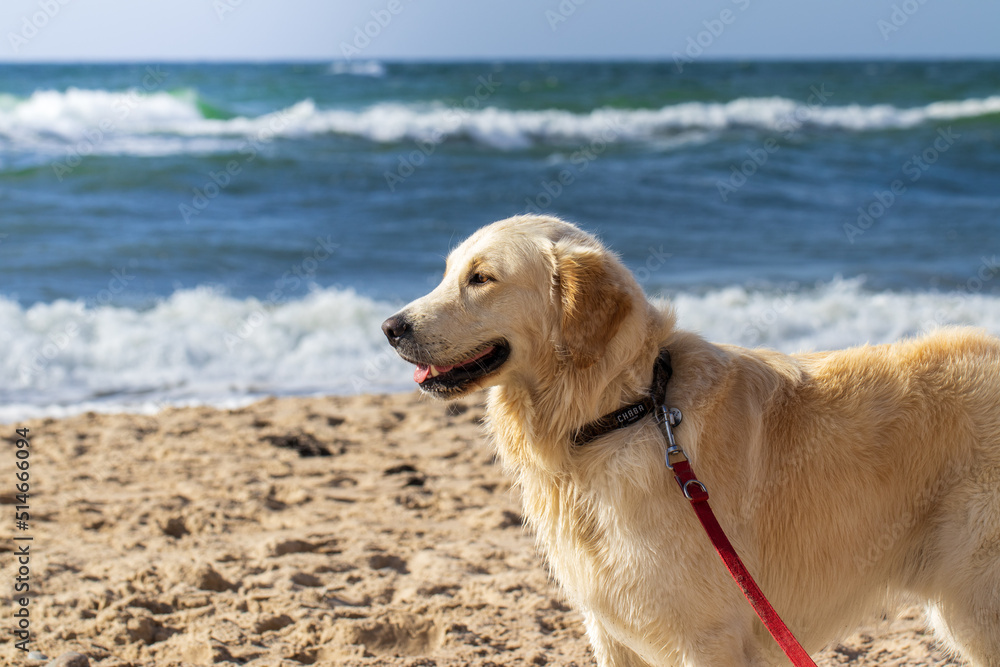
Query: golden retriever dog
[(848, 481)]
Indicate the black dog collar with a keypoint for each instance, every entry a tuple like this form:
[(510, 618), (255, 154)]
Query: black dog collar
[(630, 414)]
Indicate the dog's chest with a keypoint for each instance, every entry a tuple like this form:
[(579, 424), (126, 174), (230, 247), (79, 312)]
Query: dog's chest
[(610, 566), (598, 541)]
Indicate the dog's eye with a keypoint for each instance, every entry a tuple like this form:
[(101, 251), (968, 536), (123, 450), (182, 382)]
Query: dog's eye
[(479, 278)]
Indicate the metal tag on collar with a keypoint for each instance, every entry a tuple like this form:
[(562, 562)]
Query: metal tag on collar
[(667, 419)]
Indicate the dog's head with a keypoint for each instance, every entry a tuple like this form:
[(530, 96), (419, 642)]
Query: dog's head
[(525, 296)]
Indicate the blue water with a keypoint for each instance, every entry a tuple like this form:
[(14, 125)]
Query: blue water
[(209, 233)]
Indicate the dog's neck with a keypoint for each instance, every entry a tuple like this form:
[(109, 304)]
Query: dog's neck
[(550, 413)]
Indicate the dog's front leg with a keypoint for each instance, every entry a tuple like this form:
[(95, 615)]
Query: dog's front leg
[(608, 651), (735, 645)]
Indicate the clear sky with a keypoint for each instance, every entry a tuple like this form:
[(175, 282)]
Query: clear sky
[(156, 30)]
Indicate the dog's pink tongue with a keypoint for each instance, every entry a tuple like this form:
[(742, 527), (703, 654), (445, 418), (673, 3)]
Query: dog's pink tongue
[(423, 371)]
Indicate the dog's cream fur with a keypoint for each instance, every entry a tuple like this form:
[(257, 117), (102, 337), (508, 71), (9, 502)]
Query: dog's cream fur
[(846, 480)]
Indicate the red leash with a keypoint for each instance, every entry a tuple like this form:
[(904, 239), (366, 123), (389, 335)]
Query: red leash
[(696, 492)]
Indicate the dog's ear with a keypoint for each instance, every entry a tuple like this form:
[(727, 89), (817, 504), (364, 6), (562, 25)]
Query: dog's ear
[(593, 302)]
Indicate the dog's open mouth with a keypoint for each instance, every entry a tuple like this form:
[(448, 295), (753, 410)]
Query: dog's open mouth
[(456, 376)]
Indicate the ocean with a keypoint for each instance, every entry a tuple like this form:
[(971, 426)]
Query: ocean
[(213, 233)]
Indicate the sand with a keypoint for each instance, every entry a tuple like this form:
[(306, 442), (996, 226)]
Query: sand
[(368, 530)]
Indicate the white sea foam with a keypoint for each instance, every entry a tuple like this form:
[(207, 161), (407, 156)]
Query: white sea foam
[(130, 122), (833, 315), (79, 123), (198, 346), (201, 346)]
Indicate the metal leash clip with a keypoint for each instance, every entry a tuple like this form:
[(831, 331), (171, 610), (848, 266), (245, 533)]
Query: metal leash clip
[(667, 419)]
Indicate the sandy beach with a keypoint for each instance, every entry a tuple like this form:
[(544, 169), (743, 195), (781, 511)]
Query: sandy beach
[(364, 530)]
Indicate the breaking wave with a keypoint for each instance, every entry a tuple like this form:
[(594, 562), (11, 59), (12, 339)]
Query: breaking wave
[(132, 122), (202, 346)]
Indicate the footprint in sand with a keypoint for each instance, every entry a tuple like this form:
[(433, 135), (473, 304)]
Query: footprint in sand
[(397, 633)]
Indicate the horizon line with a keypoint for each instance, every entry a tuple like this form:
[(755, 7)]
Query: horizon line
[(499, 59)]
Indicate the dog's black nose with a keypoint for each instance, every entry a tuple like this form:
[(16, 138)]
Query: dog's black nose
[(395, 328)]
